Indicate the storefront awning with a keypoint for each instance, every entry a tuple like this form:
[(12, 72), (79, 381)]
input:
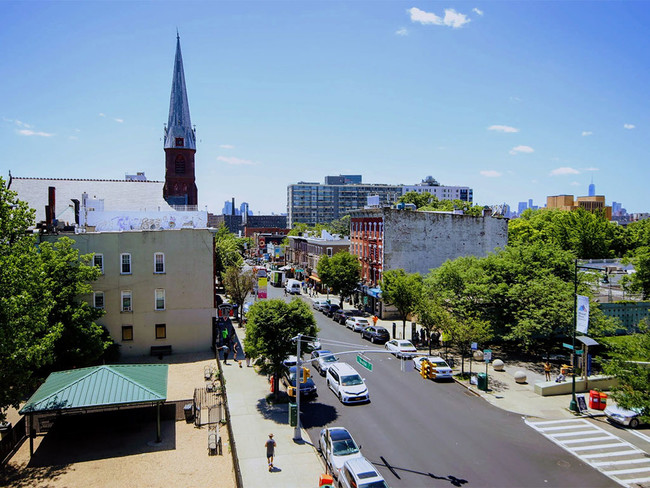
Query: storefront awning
[(374, 292), (315, 278)]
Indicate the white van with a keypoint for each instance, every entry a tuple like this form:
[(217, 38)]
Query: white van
[(346, 383), (293, 287)]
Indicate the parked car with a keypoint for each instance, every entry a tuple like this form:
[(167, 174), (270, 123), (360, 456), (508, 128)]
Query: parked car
[(322, 360), (293, 287), (622, 416), (401, 348), (360, 473), (307, 389), (357, 324), (329, 309), (318, 304), (346, 383), (443, 371), (337, 446), (375, 334), (341, 316)]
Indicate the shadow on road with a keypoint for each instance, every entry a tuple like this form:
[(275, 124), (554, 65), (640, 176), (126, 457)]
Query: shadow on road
[(453, 480)]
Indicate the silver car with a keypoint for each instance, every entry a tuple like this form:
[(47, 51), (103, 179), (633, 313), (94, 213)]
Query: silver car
[(623, 416)]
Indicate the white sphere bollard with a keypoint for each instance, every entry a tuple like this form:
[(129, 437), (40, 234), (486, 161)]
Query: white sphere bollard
[(498, 365), (478, 355), (520, 377)]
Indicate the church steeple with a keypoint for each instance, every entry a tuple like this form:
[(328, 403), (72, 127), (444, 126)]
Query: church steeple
[(180, 141)]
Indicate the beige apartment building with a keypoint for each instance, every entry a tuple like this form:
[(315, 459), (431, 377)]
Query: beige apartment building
[(592, 204), (157, 287)]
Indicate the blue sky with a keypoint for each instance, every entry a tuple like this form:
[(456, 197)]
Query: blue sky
[(517, 100)]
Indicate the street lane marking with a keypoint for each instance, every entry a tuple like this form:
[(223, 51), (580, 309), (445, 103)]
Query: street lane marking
[(640, 435), (620, 460)]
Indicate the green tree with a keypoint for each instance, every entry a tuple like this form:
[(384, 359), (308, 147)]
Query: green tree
[(271, 326), (340, 226), (228, 251), (432, 315), (418, 199), (238, 284), (26, 340), (401, 290), (467, 330), (68, 275), (340, 272), (627, 358), (639, 281)]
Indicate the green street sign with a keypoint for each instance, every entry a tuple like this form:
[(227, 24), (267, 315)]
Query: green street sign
[(364, 362), (569, 346)]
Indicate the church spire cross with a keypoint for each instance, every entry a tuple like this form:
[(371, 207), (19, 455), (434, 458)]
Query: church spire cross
[(179, 131)]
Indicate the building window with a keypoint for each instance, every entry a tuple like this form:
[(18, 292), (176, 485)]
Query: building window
[(126, 301), (160, 299), (179, 165), (98, 262), (127, 332), (98, 299), (179, 142), (161, 331), (329, 252), (126, 263), (158, 262)]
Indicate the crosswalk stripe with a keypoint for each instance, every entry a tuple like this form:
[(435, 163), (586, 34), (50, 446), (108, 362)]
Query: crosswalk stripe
[(600, 446), (569, 434), (565, 421), (637, 480), (627, 471), (578, 441), (624, 461), (611, 454)]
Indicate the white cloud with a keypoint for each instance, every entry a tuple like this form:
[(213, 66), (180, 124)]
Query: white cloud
[(629, 126), (591, 169), (503, 128), (235, 161), (477, 11), (227, 146), (521, 149), (587, 133), (118, 120), (490, 173), (402, 32), (29, 132), (102, 114), (451, 19), (515, 99), (23, 124), (565, 170), (574, 183)]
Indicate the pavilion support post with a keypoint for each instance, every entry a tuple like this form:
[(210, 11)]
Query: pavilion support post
[(158, 437), (31, 435)]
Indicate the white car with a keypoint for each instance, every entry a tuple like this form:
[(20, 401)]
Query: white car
[(346, 384), (401, 348), (360, 473), (322, 360), (318, 304), (443, 371), (357, 324), (623, 416), (337, 446)]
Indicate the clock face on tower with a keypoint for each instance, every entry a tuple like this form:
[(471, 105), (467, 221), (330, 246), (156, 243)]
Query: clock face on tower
[(180, 142)]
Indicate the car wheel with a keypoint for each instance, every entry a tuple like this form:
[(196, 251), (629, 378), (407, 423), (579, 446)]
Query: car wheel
[(634, 423), (372, 339), (340, 398)]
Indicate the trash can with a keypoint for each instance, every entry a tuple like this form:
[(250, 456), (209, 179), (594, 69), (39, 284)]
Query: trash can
[(594, 399), (189, 415), (482, 381), (603, 401), (293, 414)]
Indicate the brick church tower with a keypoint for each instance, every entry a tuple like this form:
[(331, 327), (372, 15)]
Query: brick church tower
[(180, 142)]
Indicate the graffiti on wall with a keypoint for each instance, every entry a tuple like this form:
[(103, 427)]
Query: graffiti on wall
[(116, 221)]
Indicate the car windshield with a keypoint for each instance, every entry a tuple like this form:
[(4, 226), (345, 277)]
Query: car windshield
[(362, 321), (374, 484), (330, 359), (441, 363), (405, 344), (351, 380), (344, 447)]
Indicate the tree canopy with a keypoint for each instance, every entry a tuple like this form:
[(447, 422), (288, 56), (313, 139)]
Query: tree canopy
[(401, 290), (341, 273), (426, 201), (238, 284), (228, 250), (270, 328)]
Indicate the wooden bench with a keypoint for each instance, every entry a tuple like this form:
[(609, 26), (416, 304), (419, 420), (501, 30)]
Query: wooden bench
[(161, 350)]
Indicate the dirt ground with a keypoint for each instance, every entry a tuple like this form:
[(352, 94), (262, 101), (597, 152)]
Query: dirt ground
[(118, 449)]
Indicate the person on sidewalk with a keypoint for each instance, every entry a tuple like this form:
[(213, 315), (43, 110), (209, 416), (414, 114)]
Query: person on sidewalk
[(226, 353), (374, 320), (547, 370), (270, 451)]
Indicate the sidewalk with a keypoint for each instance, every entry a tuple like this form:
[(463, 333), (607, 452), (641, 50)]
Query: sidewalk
[(252, 420)]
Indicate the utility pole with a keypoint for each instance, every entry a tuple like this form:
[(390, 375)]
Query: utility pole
[(296, 433)]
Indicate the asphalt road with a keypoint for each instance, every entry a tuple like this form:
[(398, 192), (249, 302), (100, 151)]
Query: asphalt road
[(419, 433)]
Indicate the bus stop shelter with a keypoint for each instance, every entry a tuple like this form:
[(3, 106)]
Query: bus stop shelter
[(96, 389)]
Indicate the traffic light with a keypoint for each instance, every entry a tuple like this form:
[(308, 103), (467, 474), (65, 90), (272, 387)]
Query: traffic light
[(291, 391), (305, 374), (424, 368), (432, 372)]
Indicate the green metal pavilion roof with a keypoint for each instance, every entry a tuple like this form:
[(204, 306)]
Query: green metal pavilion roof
[(100, 386)]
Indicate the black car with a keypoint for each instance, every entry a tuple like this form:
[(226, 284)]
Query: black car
[(375, 334), (346, 314), (307, 389), (330, 309)]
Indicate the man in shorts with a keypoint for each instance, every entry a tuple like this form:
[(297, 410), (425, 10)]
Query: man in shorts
[(270, 451)]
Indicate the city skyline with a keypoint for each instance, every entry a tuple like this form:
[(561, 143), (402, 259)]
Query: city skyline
[(516, 100)]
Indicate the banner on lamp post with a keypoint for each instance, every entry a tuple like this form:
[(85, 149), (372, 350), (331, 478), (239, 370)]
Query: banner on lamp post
[(582, 318)]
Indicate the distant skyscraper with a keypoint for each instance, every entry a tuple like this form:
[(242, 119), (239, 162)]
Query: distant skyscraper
[(592, 189), (180, 142), (521, 207), (243, 209), (227, 208)]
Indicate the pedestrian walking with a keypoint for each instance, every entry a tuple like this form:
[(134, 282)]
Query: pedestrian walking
[(547, 370), (270, 451), (226, 353), (374, 320), (235, 353)]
